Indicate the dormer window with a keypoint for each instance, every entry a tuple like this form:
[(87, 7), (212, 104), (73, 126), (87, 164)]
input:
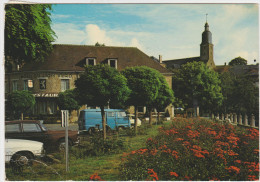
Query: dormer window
[(112, 63), (91, 61)]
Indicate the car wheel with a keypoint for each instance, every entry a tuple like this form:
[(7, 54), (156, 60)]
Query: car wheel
[(21, 159)]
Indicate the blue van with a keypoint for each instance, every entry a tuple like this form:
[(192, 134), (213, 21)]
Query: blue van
[(91, 120)]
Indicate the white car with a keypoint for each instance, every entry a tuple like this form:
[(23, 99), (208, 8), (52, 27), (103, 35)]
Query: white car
[(132, 120), (20, 152)]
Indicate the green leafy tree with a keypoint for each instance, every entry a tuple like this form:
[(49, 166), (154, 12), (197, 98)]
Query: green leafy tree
[(240, 94), (246, 96), (28, 33), (99, 86), (99, 45), (227, 88), (20, 102), (238, 61), (67, 100), (195, 82), (144, 84), (165, 96)]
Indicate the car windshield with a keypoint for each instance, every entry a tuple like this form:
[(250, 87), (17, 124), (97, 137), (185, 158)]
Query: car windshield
[(43, 127)]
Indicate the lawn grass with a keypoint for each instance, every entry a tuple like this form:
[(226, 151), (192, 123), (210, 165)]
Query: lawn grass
[(106, 166)]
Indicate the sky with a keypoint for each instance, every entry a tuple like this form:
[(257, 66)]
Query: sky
[(171, 30)]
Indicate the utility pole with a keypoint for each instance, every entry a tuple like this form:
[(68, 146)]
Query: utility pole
[(65, 123)]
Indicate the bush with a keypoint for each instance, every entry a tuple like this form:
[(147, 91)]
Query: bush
[(97, 146), (197, 150)]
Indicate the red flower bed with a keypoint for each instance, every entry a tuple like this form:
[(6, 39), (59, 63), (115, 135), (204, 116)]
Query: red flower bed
[(95, 177), (196, 149)]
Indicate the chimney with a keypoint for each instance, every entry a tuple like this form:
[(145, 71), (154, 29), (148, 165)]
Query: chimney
[(160, 59)]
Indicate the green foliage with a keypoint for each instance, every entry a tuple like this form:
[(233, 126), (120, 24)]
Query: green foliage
[(240, 94), (197, 150), (144, 84), (20, 102), (67, 100), (101, 84), (97, 146), (28, 33), (99, 45), (195, 81), (165, 95), (238, 61)]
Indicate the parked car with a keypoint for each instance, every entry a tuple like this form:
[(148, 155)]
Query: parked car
[(90, 120), (35, 130), (132, 120), (21, 152)]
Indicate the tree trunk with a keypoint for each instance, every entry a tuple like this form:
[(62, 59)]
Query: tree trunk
[(103, 122), (21, 116), (150, 116), (136, 116)]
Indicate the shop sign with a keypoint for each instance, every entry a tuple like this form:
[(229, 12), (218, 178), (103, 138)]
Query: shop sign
[(45, 95)]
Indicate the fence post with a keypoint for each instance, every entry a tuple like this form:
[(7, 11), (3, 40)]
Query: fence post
[(231, 117), (245, 120), (222, 116), (225, 116), (212, 116), (235, 118), (217, 116), (240, 119), (252, 121)]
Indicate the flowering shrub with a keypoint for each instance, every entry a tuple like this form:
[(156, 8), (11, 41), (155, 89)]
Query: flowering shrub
[(198, 150), (95, 177)]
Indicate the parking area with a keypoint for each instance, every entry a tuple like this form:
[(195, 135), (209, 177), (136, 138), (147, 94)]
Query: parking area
[(72, 126)]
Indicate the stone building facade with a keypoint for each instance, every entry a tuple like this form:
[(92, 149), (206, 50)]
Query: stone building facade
[(64, 65)]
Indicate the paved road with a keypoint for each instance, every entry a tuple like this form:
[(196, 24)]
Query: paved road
[(73, 127)]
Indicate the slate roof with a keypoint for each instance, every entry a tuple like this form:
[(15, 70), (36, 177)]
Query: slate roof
[(72, 58), (176, 63)]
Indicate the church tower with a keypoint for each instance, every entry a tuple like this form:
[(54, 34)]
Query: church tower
[(206, 47)]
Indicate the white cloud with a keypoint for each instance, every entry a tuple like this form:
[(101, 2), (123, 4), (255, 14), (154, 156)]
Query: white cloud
[(95, 34), (68, 33), (135, 43)]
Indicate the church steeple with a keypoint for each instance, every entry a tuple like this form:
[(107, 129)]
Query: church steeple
[(206, 46), (206, 35)]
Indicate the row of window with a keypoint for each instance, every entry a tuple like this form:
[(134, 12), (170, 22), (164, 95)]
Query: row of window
[(65, 84), (110, 62)]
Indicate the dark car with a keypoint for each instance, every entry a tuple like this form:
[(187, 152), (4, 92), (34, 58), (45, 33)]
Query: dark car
[(35, 130)]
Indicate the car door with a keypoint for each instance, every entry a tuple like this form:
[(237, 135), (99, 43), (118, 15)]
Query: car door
[(32, 131), (111, 119)]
